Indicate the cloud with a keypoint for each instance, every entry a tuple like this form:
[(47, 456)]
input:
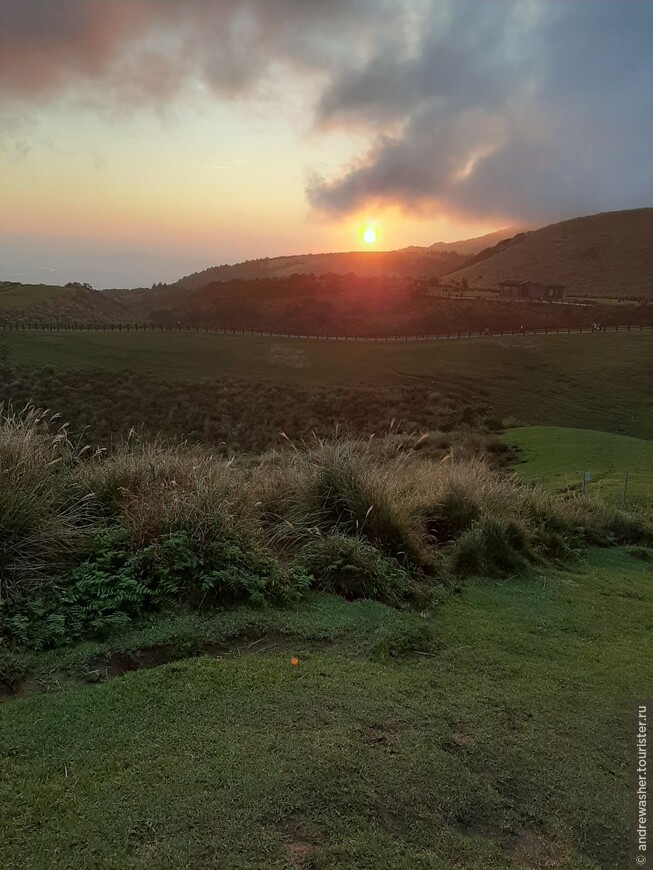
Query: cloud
[(144, 50), (524, 109)]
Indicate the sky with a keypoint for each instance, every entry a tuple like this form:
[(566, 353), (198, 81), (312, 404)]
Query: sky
[(141, 140)]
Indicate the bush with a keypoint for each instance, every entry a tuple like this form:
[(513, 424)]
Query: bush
[(116, 584), (451, 516), (341, 489), (353, 568), (491, 547), (92, 540)]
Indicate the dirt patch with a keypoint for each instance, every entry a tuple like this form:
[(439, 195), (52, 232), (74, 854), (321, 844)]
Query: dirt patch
[(115, 664), (299, 853), (118, 663), (528, 849), (7, 691), (462, 741), (302, 840), (380, 737)]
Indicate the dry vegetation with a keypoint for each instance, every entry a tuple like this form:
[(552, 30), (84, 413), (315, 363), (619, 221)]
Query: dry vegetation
[(607, 254), (227, 414), (409, 262), (93, 540)]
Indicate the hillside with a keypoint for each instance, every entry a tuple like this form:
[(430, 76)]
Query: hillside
[(306, 305), (44, 303), (556, 457), (412, 263), (469, 247), (14, 295), (608, 254)]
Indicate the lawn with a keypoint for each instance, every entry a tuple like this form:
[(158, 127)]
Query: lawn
[(558, 457), (582, 381), (488, 750)]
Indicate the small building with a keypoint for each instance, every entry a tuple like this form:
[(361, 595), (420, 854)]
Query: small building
[(531, 290)]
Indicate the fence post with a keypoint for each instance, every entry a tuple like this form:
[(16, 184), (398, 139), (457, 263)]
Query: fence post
[(625, 489)]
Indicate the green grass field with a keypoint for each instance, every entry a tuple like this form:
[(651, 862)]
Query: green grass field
[(23, 295), (558, 457), (490, 751), (582, 381)]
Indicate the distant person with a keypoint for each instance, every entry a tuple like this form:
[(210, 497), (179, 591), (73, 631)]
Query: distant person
[(522, 329)]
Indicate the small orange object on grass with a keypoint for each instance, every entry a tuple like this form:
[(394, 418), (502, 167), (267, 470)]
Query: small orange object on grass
[(294, 661)]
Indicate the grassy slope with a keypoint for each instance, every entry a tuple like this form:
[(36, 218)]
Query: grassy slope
[(560, 456), (494, 753), (23, 295), (607, 254), (595, 381)]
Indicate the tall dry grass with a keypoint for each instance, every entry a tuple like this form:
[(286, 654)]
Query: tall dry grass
[(369, 518), (44, 516)]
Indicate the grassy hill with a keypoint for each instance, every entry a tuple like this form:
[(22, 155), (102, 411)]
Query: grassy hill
[(570, 380), (558, 457), (413, 261), (608, 254), (46, 303), (469, 247), (473, 755), (14, 295), (369, 264)]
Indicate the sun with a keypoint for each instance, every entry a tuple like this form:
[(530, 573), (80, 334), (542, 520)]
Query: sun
[(369, 235)]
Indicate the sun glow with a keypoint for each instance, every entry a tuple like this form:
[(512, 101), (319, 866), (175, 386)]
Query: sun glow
[(369, 235)]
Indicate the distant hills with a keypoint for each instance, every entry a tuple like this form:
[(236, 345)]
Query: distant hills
[(412, 262), (469, 247), (608, 254), (602, 255), (420, 262)]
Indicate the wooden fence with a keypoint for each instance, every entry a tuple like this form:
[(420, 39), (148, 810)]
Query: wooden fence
[(16, 326)]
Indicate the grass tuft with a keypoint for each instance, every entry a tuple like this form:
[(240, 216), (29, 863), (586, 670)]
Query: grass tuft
[(94, 540)]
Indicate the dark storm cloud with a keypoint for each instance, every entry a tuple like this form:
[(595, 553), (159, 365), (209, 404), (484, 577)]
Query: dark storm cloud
[(522, 108)]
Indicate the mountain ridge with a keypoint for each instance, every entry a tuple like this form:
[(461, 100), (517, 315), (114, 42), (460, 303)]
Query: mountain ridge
[(413, 261)]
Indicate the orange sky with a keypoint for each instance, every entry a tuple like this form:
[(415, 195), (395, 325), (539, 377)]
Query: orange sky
[(141, 139), (216, 186)]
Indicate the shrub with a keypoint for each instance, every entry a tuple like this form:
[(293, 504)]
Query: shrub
[(89, 541), (583, 520), (341, 489), (353, 568), (491, 547), (117, 583), (452, 515)]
